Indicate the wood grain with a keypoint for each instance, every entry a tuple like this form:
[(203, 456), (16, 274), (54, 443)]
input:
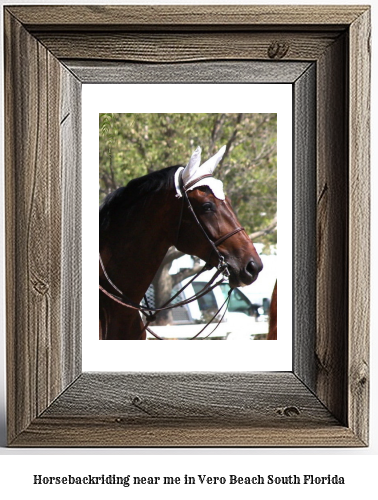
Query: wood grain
[(180, 47), (185, 16), (359, 226), (32, 238), (170, 410), (100, 432), (70, 161), (198, 72), (332, 230), (37, 330), (229, 397), (304, 241)]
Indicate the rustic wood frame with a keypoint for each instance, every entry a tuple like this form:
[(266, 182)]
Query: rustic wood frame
[(324, 400)]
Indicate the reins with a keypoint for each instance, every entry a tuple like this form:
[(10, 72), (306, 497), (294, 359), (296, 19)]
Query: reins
[(222, 269), (225, 303)]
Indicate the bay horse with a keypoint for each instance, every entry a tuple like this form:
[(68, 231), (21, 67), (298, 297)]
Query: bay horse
[(272, 334), (177, 206)]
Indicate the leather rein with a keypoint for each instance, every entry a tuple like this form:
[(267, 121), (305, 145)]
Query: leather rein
[(222, 269)]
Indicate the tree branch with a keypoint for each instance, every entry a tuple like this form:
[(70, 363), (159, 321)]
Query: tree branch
[(272, 227), (229, 145), (186, 273), (171, 255), (217, 128)]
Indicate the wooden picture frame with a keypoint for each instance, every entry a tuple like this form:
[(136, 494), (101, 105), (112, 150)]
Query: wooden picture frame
[(49, 52)]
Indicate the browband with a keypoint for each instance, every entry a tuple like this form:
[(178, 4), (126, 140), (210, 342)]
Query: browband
[(191, 183)]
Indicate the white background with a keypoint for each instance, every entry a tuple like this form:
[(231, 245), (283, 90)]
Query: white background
[(359, 466), (186, 356)]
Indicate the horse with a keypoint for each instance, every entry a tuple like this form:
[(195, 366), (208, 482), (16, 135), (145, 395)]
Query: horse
[(176, 206), (272, 333)]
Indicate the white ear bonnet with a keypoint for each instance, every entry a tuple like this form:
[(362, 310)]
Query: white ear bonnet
[(194, 170)]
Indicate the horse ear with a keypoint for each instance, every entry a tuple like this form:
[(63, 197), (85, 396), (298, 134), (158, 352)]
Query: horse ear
[(210, 165), (193, 165)]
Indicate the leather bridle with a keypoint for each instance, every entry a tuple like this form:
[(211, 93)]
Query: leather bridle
[(222, 265), (222, 269)]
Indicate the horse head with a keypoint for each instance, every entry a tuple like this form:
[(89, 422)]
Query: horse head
[(218, 233)]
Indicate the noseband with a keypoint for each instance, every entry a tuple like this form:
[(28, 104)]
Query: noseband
[(222, 269)]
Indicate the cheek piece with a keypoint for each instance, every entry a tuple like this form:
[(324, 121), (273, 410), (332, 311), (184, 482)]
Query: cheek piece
[(222, 264)]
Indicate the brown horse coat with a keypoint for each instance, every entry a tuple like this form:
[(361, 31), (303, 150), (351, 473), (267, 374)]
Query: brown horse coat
[(272, 335)]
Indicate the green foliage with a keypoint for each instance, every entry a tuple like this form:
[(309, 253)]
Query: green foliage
[(132, 145)]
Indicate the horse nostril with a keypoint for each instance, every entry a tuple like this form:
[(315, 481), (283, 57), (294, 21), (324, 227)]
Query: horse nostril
[(253, 268)]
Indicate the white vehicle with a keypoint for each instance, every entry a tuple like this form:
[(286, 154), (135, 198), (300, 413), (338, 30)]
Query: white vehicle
[(238, 323)]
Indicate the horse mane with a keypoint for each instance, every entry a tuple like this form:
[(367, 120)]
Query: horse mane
[(120, 200)]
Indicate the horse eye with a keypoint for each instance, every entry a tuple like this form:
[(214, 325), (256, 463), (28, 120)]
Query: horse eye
[(208, 207)]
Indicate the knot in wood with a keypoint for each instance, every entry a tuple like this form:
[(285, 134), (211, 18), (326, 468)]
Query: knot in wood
[(289, 411), (136, 400), (140, 404), (41, 287), (278, 50)]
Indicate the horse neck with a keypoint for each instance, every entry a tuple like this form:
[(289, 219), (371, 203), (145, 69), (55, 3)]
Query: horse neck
[(134, 251)]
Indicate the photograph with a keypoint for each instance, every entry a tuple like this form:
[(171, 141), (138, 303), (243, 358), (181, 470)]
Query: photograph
[(188, 226)]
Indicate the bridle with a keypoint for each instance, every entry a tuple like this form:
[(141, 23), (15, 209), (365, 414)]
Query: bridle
[(222, 269), (213, 244)]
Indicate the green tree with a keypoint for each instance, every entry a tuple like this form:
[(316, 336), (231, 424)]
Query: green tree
[(132, 145)]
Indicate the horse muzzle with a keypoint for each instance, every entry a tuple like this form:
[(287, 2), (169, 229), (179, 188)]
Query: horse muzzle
[(247, 275)]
